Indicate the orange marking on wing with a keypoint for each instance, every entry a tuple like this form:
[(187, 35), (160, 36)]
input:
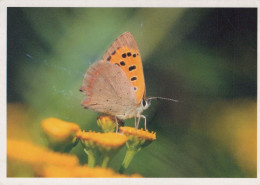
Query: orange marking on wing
[(130, 62), (88, 89)]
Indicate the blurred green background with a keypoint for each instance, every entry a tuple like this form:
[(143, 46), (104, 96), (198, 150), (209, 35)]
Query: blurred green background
[(206, 58)]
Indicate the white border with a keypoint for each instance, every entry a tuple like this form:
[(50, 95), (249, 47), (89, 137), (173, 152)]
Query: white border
[(130, 3), (106, 3), (3, 97), (128, 181)]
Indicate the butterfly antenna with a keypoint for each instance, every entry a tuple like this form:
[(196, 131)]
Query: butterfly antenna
[(161, 98)]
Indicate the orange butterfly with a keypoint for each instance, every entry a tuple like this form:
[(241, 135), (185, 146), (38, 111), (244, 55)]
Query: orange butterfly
[(115, 84)]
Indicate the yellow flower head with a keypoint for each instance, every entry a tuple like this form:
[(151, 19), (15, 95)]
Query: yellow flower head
[(26, 152), (81, 171), (101, 147), (137, 139), (59, 129), (108, 123), (144, 134), (107, 140), (60, 134)]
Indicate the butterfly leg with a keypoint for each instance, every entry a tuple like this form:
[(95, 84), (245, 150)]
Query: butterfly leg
[(116, 124), (142, 116), (137, 122)]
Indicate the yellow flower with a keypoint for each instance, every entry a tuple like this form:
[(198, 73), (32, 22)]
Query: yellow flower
[(108, 123), (81, 171), (105, 140), (144, 134), (59, 129), (101, 147), (28, 153), (60, 134)]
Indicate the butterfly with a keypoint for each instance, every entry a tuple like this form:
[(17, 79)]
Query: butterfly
[(115, 84)]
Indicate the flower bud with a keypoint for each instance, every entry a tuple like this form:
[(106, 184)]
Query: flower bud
[(108, 123)]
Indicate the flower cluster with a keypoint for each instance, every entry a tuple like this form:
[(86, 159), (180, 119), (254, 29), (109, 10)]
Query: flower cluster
[(100, 148)]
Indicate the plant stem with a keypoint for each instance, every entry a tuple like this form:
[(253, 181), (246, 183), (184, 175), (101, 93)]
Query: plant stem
[(127, 160), (91, 158), (105, 161)]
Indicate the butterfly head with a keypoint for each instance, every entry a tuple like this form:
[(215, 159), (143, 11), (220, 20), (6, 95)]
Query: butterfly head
[(146, 102)]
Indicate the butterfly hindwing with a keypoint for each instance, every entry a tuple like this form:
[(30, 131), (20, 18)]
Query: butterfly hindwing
[(124, 52), (107, 89)]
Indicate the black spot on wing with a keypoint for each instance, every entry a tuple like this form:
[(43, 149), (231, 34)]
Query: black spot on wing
[(133, 78), (122, 63), (131, 68)]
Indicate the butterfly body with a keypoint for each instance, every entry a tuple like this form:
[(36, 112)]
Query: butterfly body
[(115, 84)]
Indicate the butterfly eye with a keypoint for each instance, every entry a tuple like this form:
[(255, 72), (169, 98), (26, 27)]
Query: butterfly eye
[(143, 102)]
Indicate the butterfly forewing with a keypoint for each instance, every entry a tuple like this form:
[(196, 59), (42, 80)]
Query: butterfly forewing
[(124, 52)]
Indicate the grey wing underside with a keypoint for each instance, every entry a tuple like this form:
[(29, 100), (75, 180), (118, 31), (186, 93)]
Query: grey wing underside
[(107, 89)]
